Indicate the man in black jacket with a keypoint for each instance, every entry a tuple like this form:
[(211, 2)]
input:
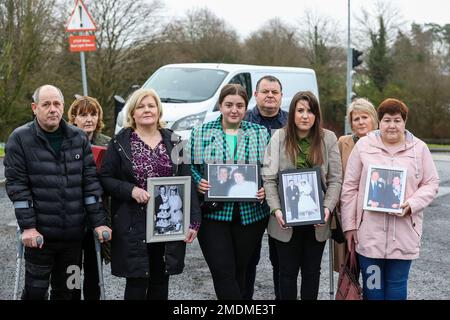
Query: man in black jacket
[(268, 113), (51, 180)]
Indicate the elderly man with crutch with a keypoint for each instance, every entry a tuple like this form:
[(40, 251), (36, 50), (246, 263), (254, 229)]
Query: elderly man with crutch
[(52, 181)]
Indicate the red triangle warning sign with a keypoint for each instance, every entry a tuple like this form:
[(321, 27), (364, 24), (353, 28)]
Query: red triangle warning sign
[(80, 19)]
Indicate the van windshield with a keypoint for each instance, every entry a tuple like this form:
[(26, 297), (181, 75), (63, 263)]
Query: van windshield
[(180, 85)]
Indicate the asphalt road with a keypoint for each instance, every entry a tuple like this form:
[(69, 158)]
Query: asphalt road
[(2, 170), (429, 276)]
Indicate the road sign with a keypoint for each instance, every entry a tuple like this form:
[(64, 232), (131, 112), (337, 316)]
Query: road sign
[(80, 19), (82, 43)]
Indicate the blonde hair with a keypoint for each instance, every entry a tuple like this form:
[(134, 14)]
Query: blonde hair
[(86, 104), (134, 101), (364, 106)]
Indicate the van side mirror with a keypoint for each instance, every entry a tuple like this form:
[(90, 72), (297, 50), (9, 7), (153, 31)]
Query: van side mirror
[(119, 102)]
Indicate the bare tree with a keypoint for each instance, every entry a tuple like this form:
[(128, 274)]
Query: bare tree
[(123, 27), (420, 77), (23, 35), (319, 37), (203, 37), (368, 22), (275, 43)]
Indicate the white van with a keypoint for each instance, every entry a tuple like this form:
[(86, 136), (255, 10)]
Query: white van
[(190, 92)]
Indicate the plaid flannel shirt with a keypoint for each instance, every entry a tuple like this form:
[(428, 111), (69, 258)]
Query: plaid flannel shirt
[(208, 145)]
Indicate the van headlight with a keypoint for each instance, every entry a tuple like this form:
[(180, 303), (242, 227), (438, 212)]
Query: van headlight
[(189, 122)]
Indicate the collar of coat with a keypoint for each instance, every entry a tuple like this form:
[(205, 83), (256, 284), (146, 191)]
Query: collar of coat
[(169, 137), (375, 139), (67, 130), (256, 114), (244, 125)]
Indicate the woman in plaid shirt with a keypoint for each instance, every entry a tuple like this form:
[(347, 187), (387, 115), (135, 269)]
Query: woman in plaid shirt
[(231, 230)]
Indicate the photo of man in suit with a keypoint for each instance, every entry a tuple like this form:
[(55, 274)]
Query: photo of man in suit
[(293, 194), (222, 184), (376, 191)]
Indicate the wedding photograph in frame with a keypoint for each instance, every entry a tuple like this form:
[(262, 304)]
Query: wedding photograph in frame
[(301, 197), (232, 182), (168, 210), (385, 189)]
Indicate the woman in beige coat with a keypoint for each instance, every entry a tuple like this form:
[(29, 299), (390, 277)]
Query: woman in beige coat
[(362, 117), (303, 143)]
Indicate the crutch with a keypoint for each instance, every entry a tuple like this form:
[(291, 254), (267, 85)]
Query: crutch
[(19, 257), (101, 284), (331, 257), (18, 261)]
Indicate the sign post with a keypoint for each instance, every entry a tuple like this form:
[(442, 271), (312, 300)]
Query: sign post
[(81, 21)]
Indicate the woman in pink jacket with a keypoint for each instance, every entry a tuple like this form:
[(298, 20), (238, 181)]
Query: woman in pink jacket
[(388, 243)]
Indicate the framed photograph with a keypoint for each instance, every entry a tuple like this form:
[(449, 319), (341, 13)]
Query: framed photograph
[(232, 182), (168, 211), (301, 196), (385, 189)]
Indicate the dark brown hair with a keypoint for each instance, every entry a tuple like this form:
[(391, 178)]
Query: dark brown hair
[(392, 106), (233, 89), (315, 156)]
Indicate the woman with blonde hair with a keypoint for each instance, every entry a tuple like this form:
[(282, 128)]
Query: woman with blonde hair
[(362, 118), (142, 150)]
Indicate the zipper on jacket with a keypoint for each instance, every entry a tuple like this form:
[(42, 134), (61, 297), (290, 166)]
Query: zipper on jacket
[(387, 235), (122, 149)]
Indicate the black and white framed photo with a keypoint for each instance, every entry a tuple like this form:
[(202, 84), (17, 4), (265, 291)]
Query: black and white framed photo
[(168, 210), (385, 189), (232, 182), (301, 196)]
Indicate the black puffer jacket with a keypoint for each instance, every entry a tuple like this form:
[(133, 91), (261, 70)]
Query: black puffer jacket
[(55, 185), (129, 257)]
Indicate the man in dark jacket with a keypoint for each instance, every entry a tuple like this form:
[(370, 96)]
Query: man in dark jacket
[(51, 180), (268, 113), (292, 195)]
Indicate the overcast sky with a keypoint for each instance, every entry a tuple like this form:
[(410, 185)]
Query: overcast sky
[(248, 15)]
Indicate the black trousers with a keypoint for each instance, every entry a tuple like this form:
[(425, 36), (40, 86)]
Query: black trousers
[(228, 248), (156, 286), (49, 265), (88, 262), (303, 252), (251, 270)]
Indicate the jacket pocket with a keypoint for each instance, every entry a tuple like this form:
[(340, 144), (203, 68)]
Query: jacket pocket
[(174, 257), (120, 220), (360, 222)]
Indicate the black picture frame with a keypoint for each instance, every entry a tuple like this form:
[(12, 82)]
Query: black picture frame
[(231, 190), (304, 206)]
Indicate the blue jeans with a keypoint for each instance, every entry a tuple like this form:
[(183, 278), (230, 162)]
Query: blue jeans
[(384, 279)]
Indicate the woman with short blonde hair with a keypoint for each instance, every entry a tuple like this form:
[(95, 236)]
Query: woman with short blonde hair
[(134, 101), (362, 118), (143, 150)]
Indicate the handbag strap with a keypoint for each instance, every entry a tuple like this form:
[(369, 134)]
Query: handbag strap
[(350, 260)]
